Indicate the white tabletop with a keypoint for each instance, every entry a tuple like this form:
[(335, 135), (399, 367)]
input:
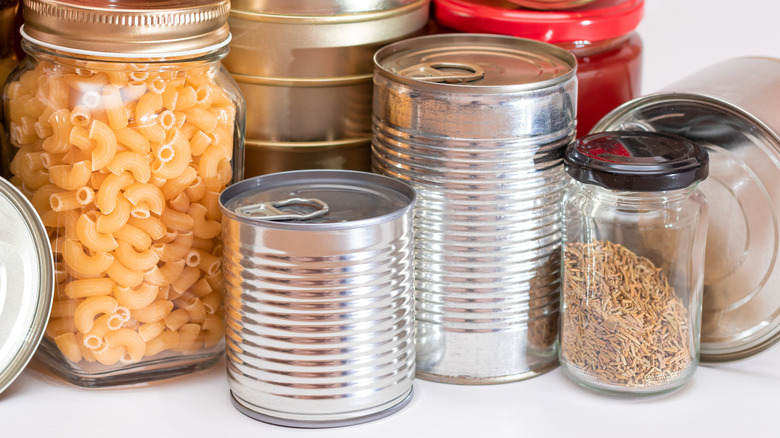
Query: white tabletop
[(734, 399)]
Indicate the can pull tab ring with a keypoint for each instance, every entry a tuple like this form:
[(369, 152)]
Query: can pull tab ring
[(272, 210), (432, 72)]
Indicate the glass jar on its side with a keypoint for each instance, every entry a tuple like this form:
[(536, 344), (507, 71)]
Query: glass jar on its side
[(123, 149), (601, 35), (634, 230)]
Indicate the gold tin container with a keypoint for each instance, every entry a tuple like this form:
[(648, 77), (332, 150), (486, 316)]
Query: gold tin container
[(305, 67)]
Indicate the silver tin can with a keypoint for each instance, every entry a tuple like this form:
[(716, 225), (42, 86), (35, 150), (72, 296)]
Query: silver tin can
[(478, 124), (319, 296), (730, 108), (305, 66)]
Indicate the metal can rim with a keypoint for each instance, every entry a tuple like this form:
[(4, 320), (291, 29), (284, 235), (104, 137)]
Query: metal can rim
[(400, 187), (390, 49), (356, 17), (337, 81)]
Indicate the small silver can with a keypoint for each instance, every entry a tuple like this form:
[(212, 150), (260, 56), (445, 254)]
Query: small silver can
[(319, 296), (478, 124)]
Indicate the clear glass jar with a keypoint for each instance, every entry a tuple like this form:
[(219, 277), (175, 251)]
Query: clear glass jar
[(601, 34), (123, 137), (634, 227)]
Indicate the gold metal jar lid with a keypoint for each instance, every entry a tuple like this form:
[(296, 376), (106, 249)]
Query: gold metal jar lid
[(320, 8), (130, 28)]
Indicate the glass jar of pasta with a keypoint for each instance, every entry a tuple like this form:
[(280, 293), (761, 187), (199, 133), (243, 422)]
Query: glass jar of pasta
[(124, 128)]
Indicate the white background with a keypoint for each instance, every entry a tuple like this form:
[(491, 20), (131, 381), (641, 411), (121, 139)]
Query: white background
[(739, 399)]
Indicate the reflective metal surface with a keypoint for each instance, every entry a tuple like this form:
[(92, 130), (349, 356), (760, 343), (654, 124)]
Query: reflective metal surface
[(318, 7), (731, 109), (263, 157), (320, 325), (307, 110), (306, 73), (26, 282), (485, 158)]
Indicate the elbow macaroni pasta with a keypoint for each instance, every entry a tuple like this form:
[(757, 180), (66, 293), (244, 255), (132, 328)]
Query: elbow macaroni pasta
[(125, 166)]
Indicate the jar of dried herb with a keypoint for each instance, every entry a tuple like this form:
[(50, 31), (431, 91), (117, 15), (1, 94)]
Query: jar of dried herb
[(634, 231)]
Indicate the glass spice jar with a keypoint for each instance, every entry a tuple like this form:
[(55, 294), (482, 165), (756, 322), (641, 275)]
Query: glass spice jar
[(124, 129), (601, 35), (634, 227)]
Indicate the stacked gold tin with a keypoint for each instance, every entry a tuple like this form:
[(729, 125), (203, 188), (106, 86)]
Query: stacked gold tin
[(305, 69)]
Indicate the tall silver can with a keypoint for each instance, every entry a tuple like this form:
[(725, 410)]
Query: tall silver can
[(730, 108), (478, 124), (319, 296)]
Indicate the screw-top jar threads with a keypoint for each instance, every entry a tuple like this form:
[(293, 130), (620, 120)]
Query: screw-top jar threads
[(600, 34), (134, 28), (634, 228)]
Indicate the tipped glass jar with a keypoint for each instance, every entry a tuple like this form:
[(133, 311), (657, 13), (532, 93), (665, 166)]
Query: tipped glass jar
[(124, 129), (634, 229)]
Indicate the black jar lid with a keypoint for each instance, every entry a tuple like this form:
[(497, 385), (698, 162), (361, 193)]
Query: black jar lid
[(636, 161)]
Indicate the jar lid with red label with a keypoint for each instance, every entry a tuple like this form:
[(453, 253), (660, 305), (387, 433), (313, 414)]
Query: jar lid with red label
[(594, 21)]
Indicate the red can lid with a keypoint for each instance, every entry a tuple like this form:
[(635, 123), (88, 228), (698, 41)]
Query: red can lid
[(596, 21)]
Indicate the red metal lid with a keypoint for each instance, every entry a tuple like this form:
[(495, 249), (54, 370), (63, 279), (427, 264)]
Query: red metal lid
[(595, 22)]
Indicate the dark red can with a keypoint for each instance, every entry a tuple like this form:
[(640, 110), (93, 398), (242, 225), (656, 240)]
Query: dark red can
[(600, 34)]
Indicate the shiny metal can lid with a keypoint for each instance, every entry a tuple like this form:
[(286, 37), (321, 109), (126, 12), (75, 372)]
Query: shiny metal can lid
[(317, 200), (128, 29), (26, 282), (491, 63), (476, 62)]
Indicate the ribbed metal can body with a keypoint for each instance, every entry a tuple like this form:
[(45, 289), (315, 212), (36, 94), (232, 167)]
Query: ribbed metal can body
[(485, 160), (320, 312)]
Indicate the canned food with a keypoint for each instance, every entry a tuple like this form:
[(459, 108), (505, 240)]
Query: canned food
[(478, 124), (730, 109), (319, 296), (305, 67)]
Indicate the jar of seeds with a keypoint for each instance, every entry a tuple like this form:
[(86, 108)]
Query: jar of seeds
[(634, 231)]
